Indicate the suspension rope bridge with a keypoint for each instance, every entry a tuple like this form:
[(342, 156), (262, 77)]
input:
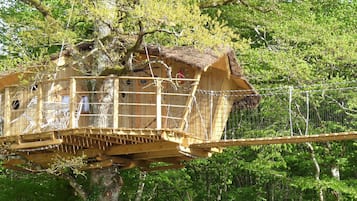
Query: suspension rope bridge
[(310, 113)]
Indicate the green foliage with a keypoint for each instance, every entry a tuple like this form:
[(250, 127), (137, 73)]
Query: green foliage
[(175, 183), (28, 187), (294, 43), (181, 23)]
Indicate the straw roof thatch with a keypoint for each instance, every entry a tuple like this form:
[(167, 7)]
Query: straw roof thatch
[(203, 59), (197, 58)]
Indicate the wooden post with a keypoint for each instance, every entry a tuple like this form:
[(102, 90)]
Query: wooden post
[(7, 112), (72, 102), (158, 104), (39, 108), (116, 103), (190, 99)]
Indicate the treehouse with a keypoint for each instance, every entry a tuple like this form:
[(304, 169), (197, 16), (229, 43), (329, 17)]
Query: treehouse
[(154, 113)]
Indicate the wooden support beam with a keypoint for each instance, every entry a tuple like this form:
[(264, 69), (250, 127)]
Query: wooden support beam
[(44, 158), (36, 136), (141, 148), (33, 145), (158, 105), (13, 162), (73, 101), (76, 140), (116, 103), (190, 99), (39, 108), (192, 152), (115, 159), (7, 112), (179, 137), (156, 155)]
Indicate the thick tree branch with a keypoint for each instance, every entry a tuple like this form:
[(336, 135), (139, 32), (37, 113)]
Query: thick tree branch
[(76, 186), (140, 190), (317, 168), (139, 40), (45, 11)]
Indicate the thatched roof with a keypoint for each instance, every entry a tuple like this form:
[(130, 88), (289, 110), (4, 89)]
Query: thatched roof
[(203, 59), (197, 58)]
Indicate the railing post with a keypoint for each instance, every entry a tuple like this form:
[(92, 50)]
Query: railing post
[(210, 116), (39, 108), (290, 110), (72, 102), (158, 104), (190, 100), (116, 103), (307, 113), (7, 112)]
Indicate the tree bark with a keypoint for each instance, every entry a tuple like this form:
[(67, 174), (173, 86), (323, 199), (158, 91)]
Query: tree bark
[(335, 171), (139, 192), (76, 186), (109, 183), (317, 169), (104, 31), (45, 11)]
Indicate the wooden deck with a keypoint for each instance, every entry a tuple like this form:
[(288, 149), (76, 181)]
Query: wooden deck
[(127, 148), (100, 148)]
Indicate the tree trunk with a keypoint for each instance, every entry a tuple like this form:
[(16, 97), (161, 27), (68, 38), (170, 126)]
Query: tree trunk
[(317, 169), (109, 183), (335, 171), (104, 32), (107, 180), (139, 192)]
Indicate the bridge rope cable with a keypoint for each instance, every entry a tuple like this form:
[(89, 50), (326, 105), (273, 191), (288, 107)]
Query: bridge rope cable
[(273, 91), (295, 112)]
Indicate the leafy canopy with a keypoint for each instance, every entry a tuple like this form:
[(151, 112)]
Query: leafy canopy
[(118, 28)]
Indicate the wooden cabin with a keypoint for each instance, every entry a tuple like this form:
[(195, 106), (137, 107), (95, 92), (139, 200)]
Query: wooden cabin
[(172, 99)]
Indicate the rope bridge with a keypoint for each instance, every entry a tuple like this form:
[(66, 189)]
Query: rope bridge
[(289, 114)]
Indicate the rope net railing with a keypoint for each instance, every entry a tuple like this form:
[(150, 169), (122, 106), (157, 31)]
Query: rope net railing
[(292, 111)]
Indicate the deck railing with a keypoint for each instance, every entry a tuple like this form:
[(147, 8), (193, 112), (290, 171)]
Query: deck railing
[(104, 102)]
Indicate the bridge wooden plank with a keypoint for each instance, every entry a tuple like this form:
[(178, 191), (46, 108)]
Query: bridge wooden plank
[(141, 148), (279, 140), (31, 145), (156, 155)]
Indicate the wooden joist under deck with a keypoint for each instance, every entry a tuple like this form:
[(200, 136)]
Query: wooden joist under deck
[(140, 148), (103, 147), (129, 148), (37, 144), (279, 140)]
